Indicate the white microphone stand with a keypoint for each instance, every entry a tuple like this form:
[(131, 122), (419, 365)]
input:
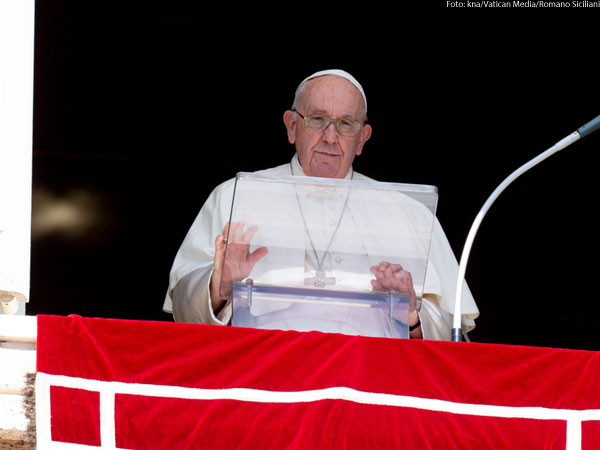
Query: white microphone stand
[(588, 128)]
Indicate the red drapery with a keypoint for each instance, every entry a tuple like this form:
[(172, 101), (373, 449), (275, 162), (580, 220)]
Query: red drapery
[(159, 385)]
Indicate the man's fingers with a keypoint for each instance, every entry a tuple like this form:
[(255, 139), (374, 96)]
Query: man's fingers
[(395, 268), (235, 232), (249, 234), (219, 250), (256, 255), (378, 273), (387, 268), (226, 231), (220, 243), (392, 270), (383, 265), (392, 278), (376, 285)]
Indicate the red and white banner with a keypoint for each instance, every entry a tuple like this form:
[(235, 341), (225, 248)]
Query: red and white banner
[(106, 383)]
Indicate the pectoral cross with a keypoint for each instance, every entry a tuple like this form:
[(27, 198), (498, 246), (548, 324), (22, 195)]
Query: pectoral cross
[(320, 279)]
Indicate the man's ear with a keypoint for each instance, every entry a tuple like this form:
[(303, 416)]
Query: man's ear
[(290, 125), (364, 136)]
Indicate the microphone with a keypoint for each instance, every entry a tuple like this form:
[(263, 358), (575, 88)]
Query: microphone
[(589, 127), (582, 132)]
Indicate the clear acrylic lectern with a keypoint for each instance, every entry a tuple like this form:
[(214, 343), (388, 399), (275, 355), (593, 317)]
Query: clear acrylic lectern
[(300, 251)]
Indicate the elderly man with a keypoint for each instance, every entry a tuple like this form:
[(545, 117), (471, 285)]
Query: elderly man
[(327, 125)]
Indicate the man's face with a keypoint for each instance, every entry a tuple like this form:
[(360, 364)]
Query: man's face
[(327, 153)]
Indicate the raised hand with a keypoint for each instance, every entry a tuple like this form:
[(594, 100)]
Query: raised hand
[(237, 263)]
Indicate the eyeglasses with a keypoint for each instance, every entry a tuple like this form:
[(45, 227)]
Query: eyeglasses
[(319, 123)]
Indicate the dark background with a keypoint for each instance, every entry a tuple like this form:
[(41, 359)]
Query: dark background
[(141, 108)]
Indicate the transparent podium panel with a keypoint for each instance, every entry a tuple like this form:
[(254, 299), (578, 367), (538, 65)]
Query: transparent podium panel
[(346, 256)]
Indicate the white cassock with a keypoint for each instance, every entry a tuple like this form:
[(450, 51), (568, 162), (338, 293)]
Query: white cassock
[(293, 260)]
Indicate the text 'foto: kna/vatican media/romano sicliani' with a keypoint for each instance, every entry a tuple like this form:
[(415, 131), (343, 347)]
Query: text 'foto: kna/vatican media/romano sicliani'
[(523, 4)]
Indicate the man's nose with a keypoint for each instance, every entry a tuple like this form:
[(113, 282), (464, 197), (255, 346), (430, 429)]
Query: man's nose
[(330, 134)]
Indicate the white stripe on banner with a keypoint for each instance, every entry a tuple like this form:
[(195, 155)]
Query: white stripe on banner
[(108, 390)]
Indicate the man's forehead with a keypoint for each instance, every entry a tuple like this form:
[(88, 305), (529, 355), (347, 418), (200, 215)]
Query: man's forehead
[(324, 91)]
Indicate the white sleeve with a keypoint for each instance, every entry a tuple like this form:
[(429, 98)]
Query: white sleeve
[(436, 324), (188, 293), (440, 280), (191, 300)]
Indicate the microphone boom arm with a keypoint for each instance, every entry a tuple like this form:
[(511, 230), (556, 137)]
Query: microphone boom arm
[(585, 130)]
